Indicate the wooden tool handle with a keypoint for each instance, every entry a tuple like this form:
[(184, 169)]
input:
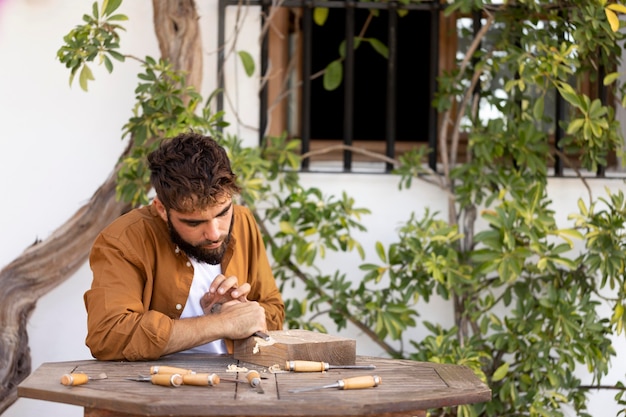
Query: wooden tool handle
[(306, 366), (358, 382), (169, 370), (253, 377), (201, 379), (167, 380), (74, 379)]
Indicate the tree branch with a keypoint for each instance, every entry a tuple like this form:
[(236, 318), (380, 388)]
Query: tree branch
[(46, 264), (41, 268)]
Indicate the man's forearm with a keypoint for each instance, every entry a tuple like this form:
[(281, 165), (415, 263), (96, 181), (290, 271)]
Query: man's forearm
[(191, 332)]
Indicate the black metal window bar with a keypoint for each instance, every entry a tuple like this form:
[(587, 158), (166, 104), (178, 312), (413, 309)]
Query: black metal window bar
[(307, 6)]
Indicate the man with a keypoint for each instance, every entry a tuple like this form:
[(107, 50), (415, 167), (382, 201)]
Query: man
[(188, 272)]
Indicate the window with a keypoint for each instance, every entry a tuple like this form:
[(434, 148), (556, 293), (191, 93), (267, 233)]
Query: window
[(382, 104)]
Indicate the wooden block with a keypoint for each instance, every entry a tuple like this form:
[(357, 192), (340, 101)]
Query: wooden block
[(295, 344)]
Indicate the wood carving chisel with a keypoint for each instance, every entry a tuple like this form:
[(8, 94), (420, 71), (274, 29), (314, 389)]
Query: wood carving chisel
[(262, 335), (357, 382), (202, 379), (241, 381), (166, 380), (312, 366), (159, 369), (79, 378), (254, 378)]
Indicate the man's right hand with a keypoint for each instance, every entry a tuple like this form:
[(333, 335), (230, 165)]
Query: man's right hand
[(242, 320), (235, 320)]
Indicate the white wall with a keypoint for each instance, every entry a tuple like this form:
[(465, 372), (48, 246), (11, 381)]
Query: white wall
[(58, 144)]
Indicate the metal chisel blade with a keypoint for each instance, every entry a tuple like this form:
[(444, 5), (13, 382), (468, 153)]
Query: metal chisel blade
[(335, 385), (352, 366)]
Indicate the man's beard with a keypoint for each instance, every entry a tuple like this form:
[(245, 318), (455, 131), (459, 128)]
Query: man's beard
[(210, 256)]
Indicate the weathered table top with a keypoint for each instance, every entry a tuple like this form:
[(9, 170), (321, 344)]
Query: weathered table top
[(407, 388)]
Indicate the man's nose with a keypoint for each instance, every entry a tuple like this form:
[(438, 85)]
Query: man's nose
[(212, 231)]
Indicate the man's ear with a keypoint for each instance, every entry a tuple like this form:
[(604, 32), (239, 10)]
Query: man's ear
[(160, 208)]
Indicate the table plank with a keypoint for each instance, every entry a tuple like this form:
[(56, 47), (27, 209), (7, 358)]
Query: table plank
[(408, 387)]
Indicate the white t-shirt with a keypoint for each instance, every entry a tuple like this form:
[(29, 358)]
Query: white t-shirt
[(203, 276)]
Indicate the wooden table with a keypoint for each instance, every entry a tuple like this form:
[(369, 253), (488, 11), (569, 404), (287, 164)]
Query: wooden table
[(408, 388)]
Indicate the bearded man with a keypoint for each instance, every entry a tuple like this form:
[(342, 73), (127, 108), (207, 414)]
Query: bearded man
[(189, 272)]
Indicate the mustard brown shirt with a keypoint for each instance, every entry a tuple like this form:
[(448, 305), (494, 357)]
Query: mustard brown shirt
[(141, 281)]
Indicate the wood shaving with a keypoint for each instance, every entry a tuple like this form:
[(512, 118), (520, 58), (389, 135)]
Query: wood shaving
[(275, 369), (234, 368), (255, 349)]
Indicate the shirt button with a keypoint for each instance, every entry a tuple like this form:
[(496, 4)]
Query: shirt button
[(179, 306), (188, 263)]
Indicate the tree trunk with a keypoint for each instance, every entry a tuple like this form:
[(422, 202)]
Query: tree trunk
[(39, 269), (177, 29), (46, 264)]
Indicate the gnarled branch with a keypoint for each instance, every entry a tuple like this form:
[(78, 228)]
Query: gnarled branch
[(46, 264)]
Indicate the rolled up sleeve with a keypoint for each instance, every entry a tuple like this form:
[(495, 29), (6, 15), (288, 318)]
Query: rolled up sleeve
[(120, 324)]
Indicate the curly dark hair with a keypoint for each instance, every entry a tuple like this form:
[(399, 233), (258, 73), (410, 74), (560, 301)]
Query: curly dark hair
[(190, 172)]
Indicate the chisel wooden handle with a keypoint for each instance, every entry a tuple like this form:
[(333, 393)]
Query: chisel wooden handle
[(306, 366), (356, 382), (74, 379), (201, 379), (167, 380), (254, 378), (169, 370), (359, 382)]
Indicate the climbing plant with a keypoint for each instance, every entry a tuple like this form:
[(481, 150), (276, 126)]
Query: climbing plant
[(527, 301)]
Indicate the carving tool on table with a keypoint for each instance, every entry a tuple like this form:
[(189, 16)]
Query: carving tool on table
[(312, 366), (203, 379), (163, 369), (166, 380), (241, 381), (192, 378), (254, 378), (79, 378), (357, 382)]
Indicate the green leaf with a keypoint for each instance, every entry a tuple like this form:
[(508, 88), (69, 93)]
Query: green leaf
[(380, 250), (108, 64), (117, 17), (572, 233), (247, 61), (84, 77), (610, 78), (109, 6), (116, 55), (379, 47), (287, 227), (568, 93), (320, 15), (342, 46), (618, 313), (611, 16), (333, 75), (72, 74), (619, 8), (574, 126), (500, 372)]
